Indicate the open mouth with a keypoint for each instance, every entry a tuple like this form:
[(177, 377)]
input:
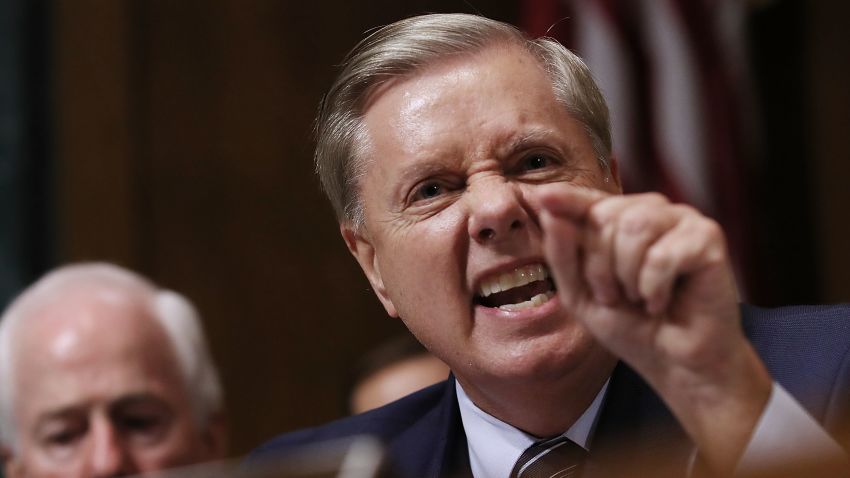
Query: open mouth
[(522, 288)]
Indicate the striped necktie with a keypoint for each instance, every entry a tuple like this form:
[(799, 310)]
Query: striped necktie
[(558, 457)]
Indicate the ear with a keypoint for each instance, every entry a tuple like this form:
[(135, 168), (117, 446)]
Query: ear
[(214, 437), (614, 174), (360, 246)]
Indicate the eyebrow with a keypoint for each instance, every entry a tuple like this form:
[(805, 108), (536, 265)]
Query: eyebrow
[(512, 142), (58, 415), (141, 398), (66, 411), (418, 170), (61, 413), (524, 140)]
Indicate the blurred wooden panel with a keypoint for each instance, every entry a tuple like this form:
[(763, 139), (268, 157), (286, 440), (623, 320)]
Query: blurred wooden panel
[(829, 119), (94, 133)]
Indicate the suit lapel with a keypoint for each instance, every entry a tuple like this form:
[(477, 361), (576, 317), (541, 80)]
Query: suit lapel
[(636, 434), (435, 444)]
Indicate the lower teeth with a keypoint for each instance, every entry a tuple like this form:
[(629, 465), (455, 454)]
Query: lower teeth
[(535, 301)]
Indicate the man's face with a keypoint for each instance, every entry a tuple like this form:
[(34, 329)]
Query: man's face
[(98, 392), (455, 155)]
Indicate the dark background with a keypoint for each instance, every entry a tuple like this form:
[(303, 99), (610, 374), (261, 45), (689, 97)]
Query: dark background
[(173, 137)]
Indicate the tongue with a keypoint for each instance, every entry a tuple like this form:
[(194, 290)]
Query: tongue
[(517, 294)]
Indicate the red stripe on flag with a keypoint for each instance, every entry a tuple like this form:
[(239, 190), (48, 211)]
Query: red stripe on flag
[(729, 172)]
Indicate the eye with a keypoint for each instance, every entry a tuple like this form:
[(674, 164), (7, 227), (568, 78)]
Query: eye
[(142, 428), (139, 422), (142, 420), (536, 161), (62, 438), (432, 189), (429, 190)]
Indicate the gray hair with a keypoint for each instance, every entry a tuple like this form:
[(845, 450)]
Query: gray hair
[(405, 47), (176, 315)]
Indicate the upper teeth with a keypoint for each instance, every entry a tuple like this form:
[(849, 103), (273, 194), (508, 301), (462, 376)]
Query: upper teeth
[(515, 278)]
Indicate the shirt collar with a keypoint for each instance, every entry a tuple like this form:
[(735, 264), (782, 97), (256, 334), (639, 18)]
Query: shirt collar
[(494, 446)]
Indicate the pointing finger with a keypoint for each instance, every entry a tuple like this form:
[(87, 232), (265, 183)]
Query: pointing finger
[(568, 200)]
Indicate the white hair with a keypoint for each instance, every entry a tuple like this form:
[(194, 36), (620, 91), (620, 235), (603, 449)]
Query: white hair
[(176, 315)]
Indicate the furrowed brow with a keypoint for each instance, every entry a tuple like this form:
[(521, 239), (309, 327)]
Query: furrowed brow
[(525, 140), (420, 170), (59, 414)]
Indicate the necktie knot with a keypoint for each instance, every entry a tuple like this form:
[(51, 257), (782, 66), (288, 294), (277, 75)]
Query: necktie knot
[(558, 457)]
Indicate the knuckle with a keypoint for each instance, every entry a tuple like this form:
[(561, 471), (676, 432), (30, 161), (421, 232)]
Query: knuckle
[(715, 251), (709, 229), (635, 220), (658, 259), (686, 210), (596, 216), (601, 212), (713, 229), (654, 197)]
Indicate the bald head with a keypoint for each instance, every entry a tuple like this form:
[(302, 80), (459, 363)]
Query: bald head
[(94, 347)]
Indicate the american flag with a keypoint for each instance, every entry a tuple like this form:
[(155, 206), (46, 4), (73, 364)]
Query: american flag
[(675, 75)]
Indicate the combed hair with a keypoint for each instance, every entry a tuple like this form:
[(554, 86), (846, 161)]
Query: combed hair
[(173, 312), (405, 47)]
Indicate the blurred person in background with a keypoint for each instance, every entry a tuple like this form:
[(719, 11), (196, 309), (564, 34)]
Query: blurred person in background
[(393, 370), (105, 374)]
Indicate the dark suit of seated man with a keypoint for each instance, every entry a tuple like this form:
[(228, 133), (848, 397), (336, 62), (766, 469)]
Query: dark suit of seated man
[(471, 172)]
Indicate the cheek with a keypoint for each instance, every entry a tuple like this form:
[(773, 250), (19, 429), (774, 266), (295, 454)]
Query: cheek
[(180, 447), (423, 267)]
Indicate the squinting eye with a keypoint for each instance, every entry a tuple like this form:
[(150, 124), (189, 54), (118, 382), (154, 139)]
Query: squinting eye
[(429, 190), (62, 445), (536, 161), (63, 438), (139, 423), (142, 429)]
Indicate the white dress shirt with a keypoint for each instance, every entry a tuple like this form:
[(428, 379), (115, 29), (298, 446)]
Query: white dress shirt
[(494, 446)]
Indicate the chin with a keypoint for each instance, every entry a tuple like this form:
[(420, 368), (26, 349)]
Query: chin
[(539, 358)]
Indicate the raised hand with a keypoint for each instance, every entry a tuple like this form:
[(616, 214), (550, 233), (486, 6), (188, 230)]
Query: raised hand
[(653, 283)]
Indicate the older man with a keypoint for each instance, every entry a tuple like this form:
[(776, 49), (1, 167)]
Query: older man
[(472, 175), (104, 374)]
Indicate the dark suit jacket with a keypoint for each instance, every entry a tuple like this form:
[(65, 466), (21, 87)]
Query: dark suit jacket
[(806, 349)]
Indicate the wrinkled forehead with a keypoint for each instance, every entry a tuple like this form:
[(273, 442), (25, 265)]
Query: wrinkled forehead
[(496, 94)]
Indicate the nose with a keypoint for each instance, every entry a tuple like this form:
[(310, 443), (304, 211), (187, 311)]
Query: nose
[(496, 210), (107, 455)]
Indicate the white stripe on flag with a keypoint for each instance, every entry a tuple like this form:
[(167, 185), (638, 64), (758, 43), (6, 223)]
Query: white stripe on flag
[(680, 130)]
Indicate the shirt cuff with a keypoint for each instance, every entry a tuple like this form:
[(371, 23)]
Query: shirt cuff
[(787, 434)]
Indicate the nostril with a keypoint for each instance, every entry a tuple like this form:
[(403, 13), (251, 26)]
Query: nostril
[(517, 224), (486, 233)]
